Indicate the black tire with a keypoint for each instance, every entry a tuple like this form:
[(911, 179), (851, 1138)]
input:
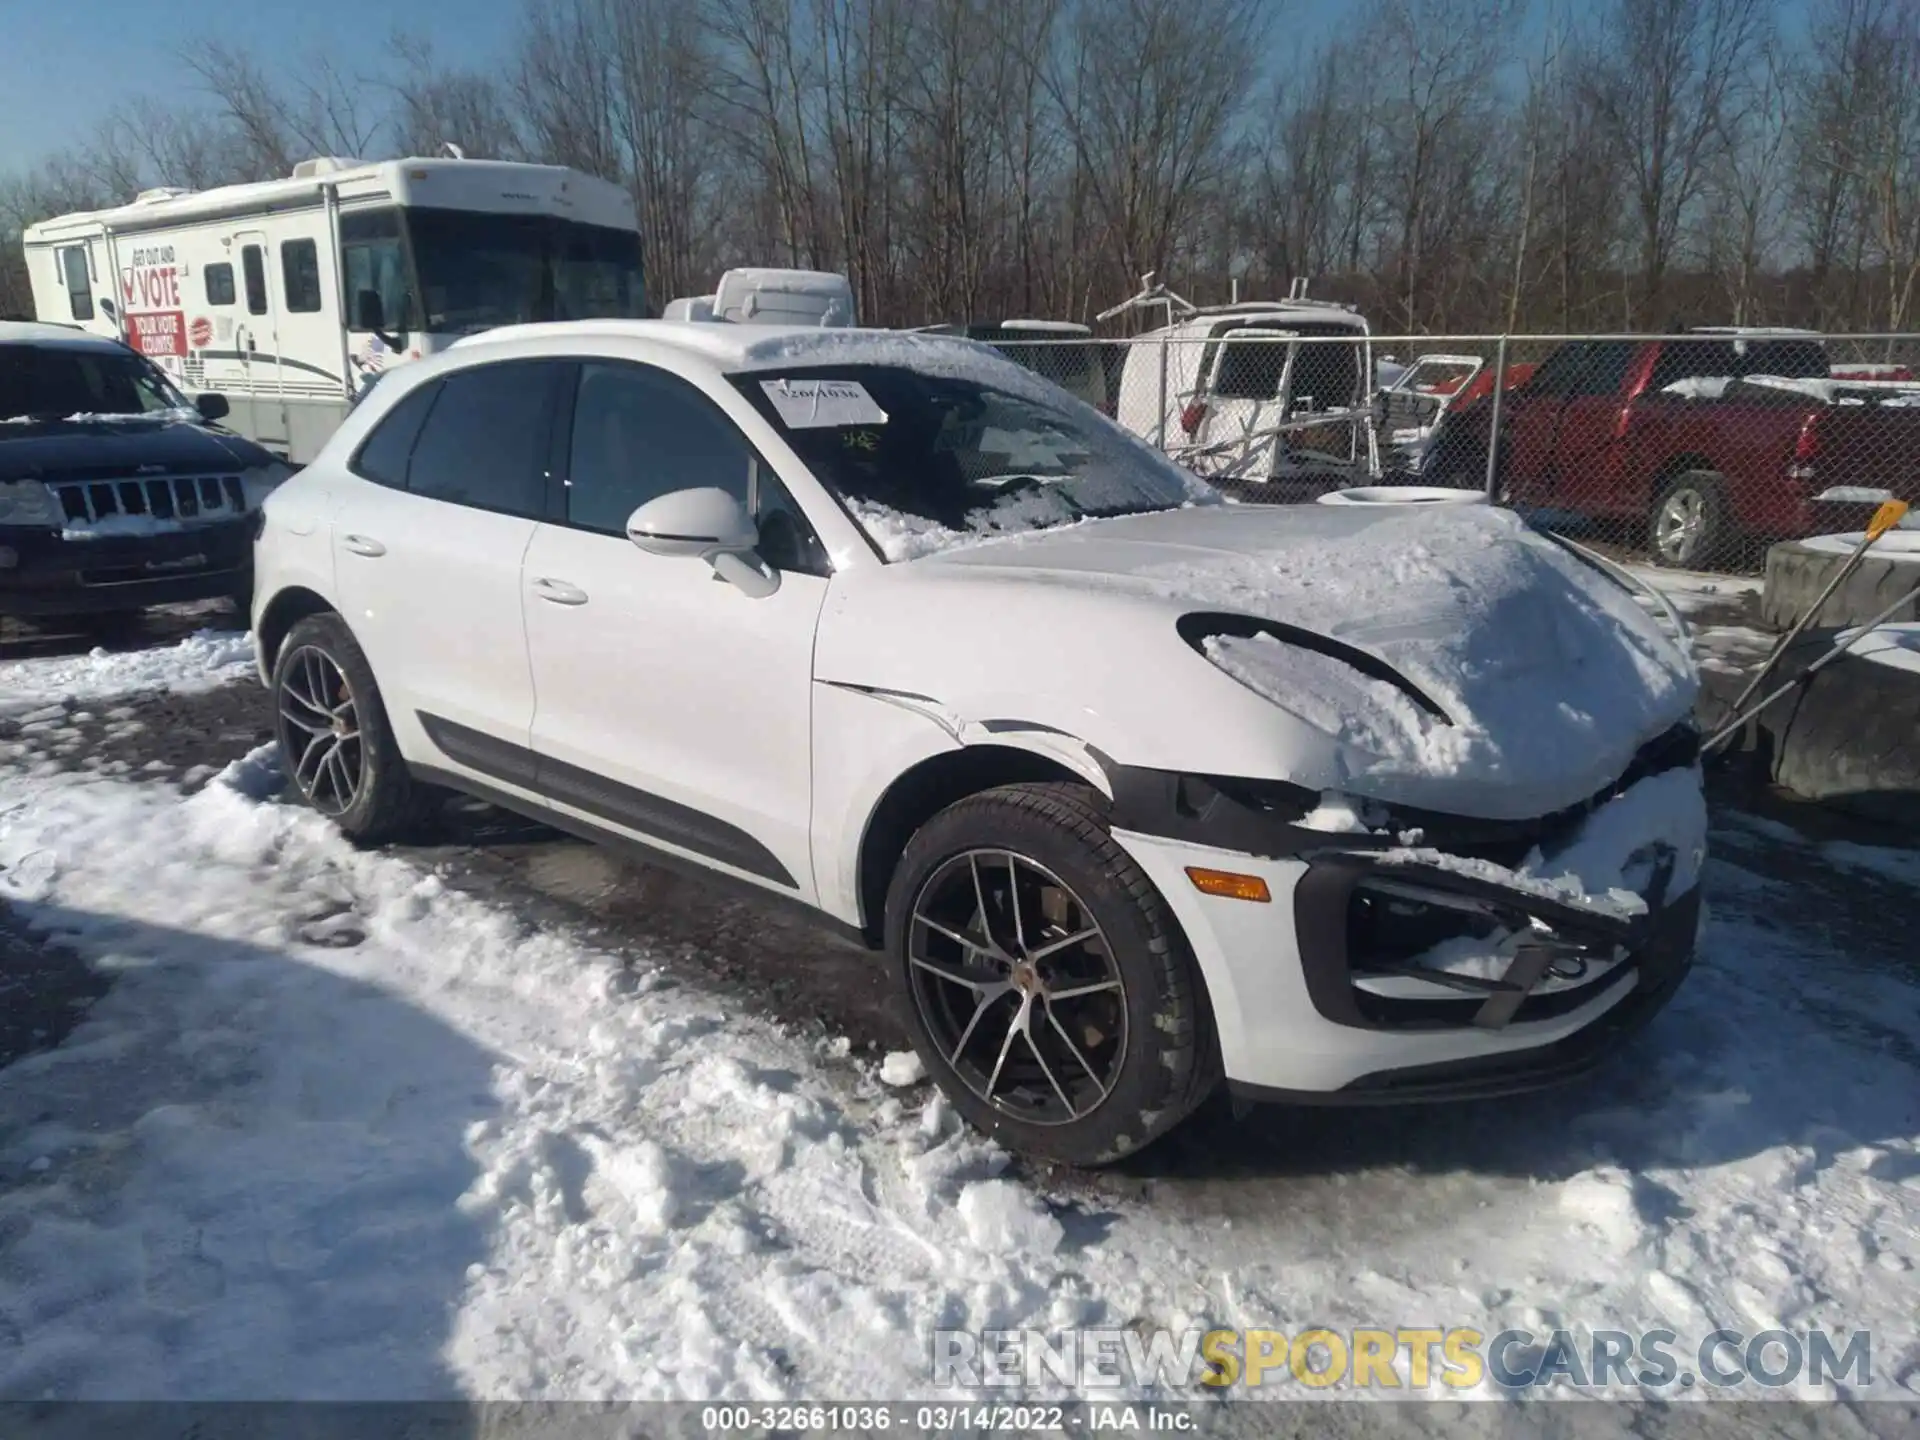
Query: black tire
[(1167, 1060), (384, 802), (1688, 526)]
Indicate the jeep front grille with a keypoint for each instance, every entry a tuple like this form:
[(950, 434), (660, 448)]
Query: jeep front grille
[(169, 497)]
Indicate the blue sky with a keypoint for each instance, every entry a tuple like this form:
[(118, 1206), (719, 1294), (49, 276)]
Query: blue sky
[(65, 63)]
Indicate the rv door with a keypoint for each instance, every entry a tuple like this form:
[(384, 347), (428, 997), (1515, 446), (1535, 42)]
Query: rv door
[(256, 336)]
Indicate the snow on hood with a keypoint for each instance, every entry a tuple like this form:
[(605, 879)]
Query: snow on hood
[(1547, 671)]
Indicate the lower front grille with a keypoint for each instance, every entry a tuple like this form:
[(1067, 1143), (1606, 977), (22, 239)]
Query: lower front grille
[(170, 497), (1406, 947)]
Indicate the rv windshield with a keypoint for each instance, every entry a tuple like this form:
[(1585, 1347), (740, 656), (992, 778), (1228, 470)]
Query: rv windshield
[(479, 270)]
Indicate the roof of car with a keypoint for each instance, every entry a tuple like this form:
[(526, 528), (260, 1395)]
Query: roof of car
[(740, 347), (33, 332)]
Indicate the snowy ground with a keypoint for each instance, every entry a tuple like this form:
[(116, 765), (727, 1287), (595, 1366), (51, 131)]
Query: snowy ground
[(343, 1128)]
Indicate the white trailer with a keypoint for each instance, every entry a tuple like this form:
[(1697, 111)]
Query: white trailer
[(287, 296)]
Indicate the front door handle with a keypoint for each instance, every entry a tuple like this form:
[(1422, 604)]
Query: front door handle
[(559, 592), (363, 545)]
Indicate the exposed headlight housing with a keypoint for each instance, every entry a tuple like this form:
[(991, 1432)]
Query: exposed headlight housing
[(261, 481), (1200, 627), (28, 502)]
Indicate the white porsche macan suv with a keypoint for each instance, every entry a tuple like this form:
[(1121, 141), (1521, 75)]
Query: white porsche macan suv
[(1135, 789)]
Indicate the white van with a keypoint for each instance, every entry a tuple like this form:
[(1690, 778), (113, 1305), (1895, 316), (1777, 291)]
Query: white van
[(1254, 390), (287, 295)]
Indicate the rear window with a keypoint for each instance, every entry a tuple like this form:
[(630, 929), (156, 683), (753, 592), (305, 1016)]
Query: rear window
[(1734, 358), (1326, 375)]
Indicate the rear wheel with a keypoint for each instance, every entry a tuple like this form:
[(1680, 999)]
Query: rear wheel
[(1688, 527), (1050, 991), (335, 743)]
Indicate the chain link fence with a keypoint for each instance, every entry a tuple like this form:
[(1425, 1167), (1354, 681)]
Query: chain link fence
[(1695, 450)]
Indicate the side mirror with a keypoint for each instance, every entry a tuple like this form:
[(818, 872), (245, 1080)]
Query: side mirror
[(106, 307), (369, 313), (705, 524), (212, 405), (693, 524)]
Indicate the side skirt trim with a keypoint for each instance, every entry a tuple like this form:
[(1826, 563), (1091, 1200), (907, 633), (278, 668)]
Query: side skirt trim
[(637, 850), (653, 815)]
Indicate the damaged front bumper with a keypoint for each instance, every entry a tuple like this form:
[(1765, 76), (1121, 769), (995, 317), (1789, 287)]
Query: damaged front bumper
[(1377, 974)]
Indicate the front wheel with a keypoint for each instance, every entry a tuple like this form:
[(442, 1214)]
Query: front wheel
[(1051, 993), (335, 743)]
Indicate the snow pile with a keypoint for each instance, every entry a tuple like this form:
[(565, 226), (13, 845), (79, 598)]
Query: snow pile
[(1005, 1218), (1369, 715), (1338, 814), (1693, 591), (902, 536), (1699, 387), (1901, 544), (204, 660), (901, 1069), (172, 415), (1531, 655), (899, 535), (340, 1132), (1896, 646), (1608, 863), (116, 526)]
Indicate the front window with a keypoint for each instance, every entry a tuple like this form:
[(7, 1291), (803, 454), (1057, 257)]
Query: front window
[(923, 461), (54, 382), (377, 278), (479, 270)]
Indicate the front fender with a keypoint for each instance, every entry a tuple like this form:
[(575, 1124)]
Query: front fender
[(896, 733)]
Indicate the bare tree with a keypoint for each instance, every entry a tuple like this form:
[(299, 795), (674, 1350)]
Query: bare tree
[(1150, 96), (1668, 70), (435, 106)]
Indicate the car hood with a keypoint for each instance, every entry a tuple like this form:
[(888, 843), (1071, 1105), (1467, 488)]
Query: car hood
[(112, 448), (1432, 642)]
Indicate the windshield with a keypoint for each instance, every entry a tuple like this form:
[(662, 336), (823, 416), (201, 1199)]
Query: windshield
[(924, 461), (53, 382), (478, 270)]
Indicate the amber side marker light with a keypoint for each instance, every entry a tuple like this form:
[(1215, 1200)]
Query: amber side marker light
[(1229, 886)]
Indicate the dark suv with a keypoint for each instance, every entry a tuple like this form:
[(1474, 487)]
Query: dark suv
[(115, 492)]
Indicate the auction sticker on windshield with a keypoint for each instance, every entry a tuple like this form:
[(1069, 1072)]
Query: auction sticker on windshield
[(823, 404)]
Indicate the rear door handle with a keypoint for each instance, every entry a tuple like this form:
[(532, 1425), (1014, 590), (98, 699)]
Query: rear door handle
[(363, 545), (559, 592)]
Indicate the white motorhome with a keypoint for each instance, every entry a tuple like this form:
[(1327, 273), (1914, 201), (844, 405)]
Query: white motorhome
[(288, 296), (1253, 390)]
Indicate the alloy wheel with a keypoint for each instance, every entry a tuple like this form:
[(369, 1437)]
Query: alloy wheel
[(1017, 986), (320, 730), (1679, 525)]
